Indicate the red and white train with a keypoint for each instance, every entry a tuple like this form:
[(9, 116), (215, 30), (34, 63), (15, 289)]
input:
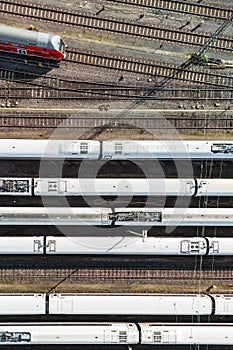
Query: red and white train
[(31, 43)]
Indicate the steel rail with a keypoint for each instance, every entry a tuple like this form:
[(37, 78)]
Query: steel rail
[(185, 7)]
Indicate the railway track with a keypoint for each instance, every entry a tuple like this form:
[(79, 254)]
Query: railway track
[(123, 275), (111, 25), (185, 7), (183, 123), (98, 91), (139, 66), (151, 68)]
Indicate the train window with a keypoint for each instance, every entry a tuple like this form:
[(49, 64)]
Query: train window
[(52, 186), (37, 246), (22, 51), (51, 245), (118, 148), (83, 148), (62, 47), (215, 247)]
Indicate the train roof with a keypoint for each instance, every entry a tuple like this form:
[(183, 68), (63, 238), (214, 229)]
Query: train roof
[(20, 36)]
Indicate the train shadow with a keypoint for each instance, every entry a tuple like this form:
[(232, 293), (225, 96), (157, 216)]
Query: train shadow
[(22, 68)]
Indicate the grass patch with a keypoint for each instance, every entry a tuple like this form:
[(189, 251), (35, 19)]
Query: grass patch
[(105, 287)]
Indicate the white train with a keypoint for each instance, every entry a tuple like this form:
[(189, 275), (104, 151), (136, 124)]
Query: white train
[(116, 304), (118, 245), (116, 333), (115, 187), (117, 216), (115, 149)]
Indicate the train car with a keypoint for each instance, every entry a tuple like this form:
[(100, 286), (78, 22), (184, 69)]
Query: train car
[(22, 245), (16, 186), (23, 304), (134, 149), (133, 187), (128, 245), (144, 304), (68, 333), (114, 187), (115, 217), (117, 245), (183, 333), (31, 43), (165, 149), (46, 149)]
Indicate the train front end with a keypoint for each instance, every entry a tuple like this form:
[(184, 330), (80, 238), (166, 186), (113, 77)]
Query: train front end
[(59, 47)]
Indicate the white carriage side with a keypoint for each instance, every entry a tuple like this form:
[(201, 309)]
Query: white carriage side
[(68, 333), (144, 304), (205, 333)]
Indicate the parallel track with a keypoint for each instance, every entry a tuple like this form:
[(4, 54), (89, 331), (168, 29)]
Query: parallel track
[(139, 66), (111, 25), (114, 275), (186, 7), (149, 123), (106, 92), (150, 68)]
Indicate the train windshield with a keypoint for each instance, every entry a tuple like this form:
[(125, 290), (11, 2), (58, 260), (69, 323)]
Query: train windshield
[(62, 46)]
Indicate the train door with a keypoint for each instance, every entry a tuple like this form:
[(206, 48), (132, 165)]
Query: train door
[(114, 337), (184, 247), (51, 246), (224, 305), (215, 247), (37, 246), (74, 148), (188, 186), (127, 148), (66, 306), (169, 336), (229, 306)]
